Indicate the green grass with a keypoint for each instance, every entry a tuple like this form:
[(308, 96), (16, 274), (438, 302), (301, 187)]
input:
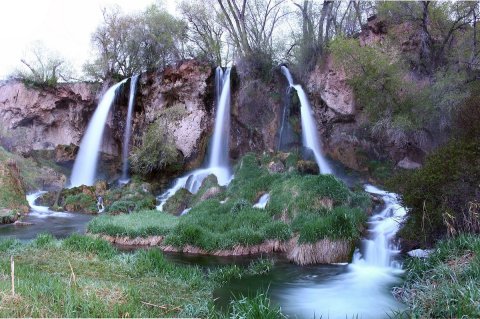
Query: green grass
[(139, 224), (63, 279), (341, 223), (86, 277), (258, 306), (447, 284)]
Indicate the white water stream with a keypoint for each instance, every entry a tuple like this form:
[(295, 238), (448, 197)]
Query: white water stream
[(128, 129)]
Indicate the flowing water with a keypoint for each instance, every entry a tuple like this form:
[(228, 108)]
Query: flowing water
[(357, 290), (218, 162), (85, 167), (309, 129), (41, 220), (128, 129)]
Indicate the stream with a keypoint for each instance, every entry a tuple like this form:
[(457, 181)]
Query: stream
[(361, 289)]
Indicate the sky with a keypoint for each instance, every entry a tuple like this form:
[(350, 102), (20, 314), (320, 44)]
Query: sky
[(63, 26)]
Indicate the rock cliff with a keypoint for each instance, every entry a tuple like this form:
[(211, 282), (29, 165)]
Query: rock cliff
[(33, 118)]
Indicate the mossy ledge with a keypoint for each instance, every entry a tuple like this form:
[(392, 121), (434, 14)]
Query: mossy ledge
[(310, 219)]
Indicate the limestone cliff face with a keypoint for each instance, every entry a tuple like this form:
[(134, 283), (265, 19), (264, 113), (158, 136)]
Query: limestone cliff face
[(41, 118)]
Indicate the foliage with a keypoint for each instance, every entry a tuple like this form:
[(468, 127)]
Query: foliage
[(443, 195), (446, 284), (138, 224), (157, 150)]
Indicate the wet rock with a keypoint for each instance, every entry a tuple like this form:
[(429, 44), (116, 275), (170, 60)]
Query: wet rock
[(308, 167), (100, 188), (65, 153), (276, 167)]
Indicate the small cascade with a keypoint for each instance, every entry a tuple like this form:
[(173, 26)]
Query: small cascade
[(218, 162), (379, 250), (85, 167), (309, 129), (362, 290), (128, 129)]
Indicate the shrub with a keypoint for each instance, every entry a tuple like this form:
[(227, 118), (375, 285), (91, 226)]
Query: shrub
[(157, 150)]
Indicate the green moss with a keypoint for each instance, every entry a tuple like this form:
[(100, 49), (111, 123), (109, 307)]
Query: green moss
[(81, 203), (178, 202)]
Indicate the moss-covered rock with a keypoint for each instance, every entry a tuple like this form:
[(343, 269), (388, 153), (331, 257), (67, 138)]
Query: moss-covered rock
[(179, 202)]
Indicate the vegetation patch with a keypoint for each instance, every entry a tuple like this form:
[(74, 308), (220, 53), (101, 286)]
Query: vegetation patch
[(138, 224), (447, 283)]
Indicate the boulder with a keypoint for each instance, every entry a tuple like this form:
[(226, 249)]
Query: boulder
[(210, 193), (407, 163)]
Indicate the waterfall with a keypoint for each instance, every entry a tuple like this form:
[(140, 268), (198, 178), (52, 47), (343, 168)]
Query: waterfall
[(309, 129), (85, 166), (218, 162), (221, 133), (128, 129)]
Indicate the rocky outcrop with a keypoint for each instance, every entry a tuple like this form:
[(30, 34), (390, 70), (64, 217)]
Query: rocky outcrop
[(329, 83), (34, 118), (256, 111), (342, 124), (186, 91)]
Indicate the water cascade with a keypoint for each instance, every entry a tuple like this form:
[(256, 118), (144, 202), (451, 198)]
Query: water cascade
[(309, 129), (85, 167), (218, 162), (128, 129), (362, 290)]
